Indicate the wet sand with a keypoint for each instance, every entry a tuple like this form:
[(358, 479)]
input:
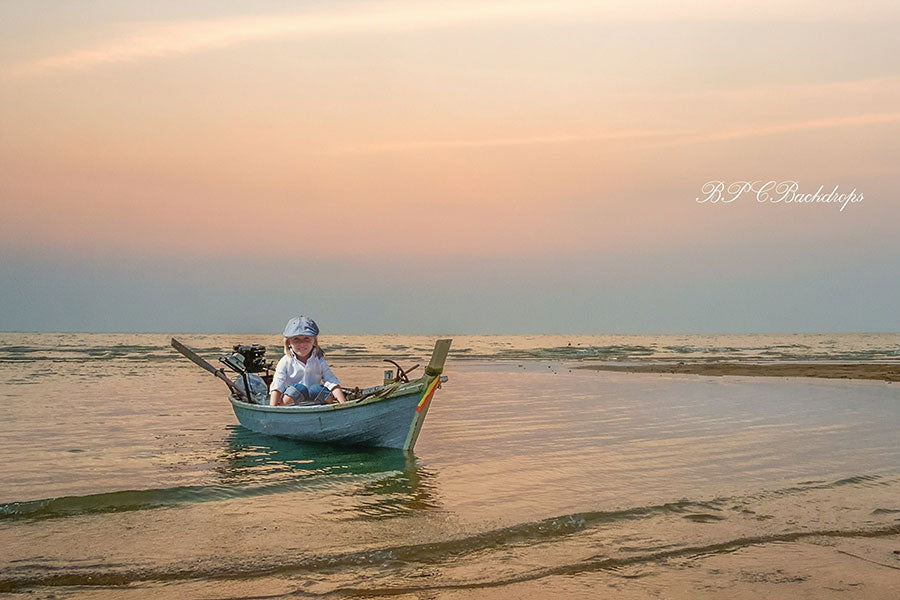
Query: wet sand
[(813, 568), (817, 568), (876, 371)]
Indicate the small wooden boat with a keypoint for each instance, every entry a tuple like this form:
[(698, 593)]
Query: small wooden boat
[(389, 415)]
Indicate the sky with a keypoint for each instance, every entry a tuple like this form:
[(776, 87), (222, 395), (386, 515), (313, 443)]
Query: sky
[(449, 167)]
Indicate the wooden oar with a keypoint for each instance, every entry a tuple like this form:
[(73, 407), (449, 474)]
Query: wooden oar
[(220, 373)]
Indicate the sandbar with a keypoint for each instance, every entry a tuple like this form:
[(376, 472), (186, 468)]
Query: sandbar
[(877, 371)]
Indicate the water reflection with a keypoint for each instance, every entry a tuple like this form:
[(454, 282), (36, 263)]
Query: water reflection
[(381, 483), (410, 490)]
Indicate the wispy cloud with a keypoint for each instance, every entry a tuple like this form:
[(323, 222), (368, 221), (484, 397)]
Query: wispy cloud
[(791, 127), (161, 40), (642, 138), (886, 86), (147, 41), (380, 148)]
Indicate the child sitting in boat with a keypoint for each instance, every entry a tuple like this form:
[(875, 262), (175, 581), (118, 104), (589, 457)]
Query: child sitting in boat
[(302, 375)]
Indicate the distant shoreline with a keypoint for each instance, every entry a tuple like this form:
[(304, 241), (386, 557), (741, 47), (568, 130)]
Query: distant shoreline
[(876, 371)]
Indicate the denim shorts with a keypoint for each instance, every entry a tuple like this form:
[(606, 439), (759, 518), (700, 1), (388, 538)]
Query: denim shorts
[(314, 394)]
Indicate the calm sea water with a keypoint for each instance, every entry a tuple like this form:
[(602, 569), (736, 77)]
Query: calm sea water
[(125, 474)]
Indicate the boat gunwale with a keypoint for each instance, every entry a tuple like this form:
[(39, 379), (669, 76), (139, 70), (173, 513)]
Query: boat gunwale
[(415, 386)]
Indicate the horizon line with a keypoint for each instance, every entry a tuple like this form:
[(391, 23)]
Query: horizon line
[(526, 333)]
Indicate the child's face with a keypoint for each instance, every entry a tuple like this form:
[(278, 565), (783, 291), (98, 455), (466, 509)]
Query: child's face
[(301, 344)]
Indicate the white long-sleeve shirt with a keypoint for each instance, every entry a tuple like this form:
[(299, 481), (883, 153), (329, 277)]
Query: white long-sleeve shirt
[(290, 371)]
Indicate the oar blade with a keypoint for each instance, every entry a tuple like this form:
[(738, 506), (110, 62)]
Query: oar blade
[(193, 356)]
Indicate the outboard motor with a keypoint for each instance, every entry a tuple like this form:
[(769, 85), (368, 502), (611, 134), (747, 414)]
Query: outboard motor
[(245, 361), (253, 357)]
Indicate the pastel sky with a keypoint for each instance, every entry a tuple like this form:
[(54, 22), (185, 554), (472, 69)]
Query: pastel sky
[(447, 167)]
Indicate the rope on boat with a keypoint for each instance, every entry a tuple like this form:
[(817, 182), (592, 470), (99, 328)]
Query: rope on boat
[(383, 393)]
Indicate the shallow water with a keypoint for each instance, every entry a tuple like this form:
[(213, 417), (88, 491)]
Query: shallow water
[(124, 472)]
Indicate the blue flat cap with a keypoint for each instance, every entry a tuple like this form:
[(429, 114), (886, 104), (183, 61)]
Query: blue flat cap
[(301, 326)]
